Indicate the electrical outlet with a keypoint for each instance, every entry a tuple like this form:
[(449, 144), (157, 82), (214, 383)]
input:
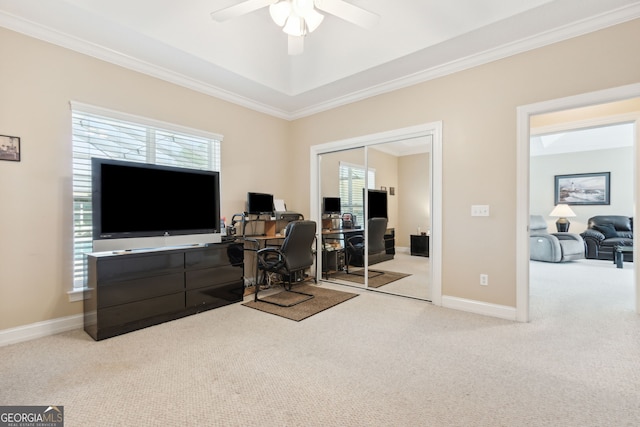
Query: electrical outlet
[(484, 279)]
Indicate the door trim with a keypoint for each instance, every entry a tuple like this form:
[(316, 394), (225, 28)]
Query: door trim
[(433, 129), (524, 114)]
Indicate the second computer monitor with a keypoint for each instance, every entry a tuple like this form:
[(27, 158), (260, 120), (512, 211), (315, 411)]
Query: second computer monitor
[(331, 205)]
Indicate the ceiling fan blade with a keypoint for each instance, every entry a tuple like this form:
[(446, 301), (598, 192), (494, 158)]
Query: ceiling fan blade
[(296, 45), (348, 12), (240, 9)]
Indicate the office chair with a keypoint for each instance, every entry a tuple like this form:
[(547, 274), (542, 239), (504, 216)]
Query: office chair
[(293, 257), (355, 245)]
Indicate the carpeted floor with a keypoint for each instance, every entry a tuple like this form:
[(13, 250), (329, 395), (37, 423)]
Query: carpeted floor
[(376, 279), (323, 299), (376, 360)]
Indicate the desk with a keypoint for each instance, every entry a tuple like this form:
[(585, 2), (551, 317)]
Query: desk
[(253, 244), (343, 233), (334, 259)]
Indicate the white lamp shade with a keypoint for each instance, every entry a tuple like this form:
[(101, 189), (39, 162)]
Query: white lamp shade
[(562, 211)]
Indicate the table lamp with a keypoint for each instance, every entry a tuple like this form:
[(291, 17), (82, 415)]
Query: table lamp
[(562, 211)]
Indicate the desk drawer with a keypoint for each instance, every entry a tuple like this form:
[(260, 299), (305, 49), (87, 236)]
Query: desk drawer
[(120, 315), (216, 296), (128, 267), (213, 276), (140, 289)]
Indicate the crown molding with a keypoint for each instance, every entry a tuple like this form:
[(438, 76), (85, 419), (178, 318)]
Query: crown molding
[(579, 28), (85, 47), (566, 32)]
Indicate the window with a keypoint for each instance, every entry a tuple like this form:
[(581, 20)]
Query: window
[(352, 182), (112, 135)]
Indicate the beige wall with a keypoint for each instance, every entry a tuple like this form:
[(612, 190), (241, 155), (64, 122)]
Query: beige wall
[(414, 197), (478, 111), (477, 107), (37, 81)]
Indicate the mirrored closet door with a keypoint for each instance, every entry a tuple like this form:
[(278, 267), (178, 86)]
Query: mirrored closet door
[(342, 180), (383, 242)]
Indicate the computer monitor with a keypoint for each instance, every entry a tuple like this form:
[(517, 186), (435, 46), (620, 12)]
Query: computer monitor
[(331, 205), (377, 204), (259, 203)]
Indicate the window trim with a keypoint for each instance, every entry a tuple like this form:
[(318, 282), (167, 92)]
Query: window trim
[(118, 115), (76, 291)]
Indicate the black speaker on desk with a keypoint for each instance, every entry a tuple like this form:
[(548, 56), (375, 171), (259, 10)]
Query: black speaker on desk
[(289, 216), (348, 220)]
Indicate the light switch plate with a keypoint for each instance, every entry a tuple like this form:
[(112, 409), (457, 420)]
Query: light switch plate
[(479, 210)]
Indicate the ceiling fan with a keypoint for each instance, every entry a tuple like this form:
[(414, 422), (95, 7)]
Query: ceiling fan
[(300, 17)]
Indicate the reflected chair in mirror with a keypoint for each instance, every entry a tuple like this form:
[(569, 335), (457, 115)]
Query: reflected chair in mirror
[(552, 247), (355, 245), (290, 260)]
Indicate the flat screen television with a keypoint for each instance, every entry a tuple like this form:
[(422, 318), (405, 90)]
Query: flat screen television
[(133, 200), (377, 207), (259, 203), (331, 205)]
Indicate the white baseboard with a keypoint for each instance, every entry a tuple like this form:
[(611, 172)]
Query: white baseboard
[(479, 307), (69, 323), (41, 329)]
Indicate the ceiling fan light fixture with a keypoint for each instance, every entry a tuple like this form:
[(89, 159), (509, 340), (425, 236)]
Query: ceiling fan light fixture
[(280, 12), (295, 26), (301, 7), (313, 19)]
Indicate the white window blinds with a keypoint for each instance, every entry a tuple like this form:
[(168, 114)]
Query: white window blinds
[(112, 135), (352, 183)]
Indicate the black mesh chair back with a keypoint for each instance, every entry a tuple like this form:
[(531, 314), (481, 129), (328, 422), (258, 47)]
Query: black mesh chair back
[(297, 247), (293, 257), (355, 245), (377, 228)]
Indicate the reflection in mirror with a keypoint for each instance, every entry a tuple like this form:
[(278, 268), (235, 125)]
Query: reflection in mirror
[(399, 172), (402, 171), (342, 179)]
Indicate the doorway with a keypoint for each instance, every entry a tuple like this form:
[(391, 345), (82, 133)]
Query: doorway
[(364, 147), (525, 113)]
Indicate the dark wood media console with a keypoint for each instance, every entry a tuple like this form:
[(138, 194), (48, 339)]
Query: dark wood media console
[(127, 291)]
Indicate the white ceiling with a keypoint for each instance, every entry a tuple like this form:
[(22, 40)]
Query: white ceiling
[(245, 60), (588, 139)]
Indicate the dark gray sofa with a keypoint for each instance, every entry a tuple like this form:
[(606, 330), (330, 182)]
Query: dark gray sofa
[(604, 233)]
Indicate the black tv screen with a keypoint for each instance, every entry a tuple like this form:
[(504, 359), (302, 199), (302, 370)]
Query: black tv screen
[(259, 203), (377, 204), (331, 205), (141, 200)]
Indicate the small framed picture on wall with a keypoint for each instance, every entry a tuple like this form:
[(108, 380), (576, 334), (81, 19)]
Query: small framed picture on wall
[(10, 148)]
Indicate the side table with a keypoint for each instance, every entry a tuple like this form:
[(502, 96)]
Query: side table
[(618, 254), (420, 245)]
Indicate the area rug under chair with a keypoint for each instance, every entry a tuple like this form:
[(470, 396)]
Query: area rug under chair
[(375, 278), (322, 300)]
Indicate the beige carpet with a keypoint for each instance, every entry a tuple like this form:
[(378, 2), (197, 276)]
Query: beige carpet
[(375, 361), (375, 278), (323, 299)]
